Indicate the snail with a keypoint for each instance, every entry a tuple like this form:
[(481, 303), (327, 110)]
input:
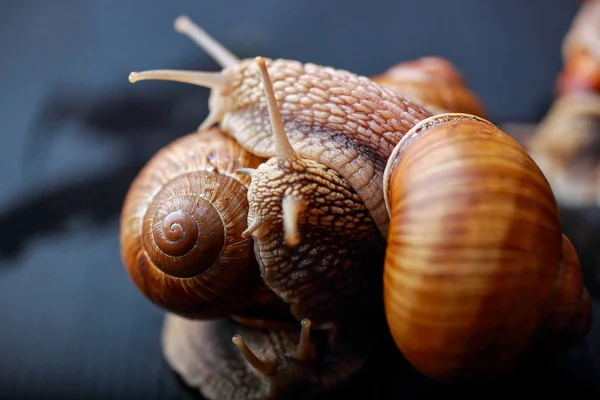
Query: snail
[(565, 142), (477, 270), (433, 82), (313, 235), (571, 161), (339, 119), (183, 246), (431, 184)]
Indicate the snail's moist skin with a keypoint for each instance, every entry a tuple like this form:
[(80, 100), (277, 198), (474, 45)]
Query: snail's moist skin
[(330, 266), (344, 121)]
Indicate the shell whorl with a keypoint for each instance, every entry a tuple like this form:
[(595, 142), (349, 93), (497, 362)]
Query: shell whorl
[(184, 231), (181, 227)]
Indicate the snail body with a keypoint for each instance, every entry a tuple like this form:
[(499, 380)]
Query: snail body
[(320, 260), (341, 120)]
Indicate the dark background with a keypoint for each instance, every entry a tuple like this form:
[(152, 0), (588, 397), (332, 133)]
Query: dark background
[(74, 133)]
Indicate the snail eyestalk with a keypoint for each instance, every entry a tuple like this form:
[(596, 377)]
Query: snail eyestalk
[(291, 209), (212, 80), (206, 42), (303, 351), (283, 148), (252, 228), (267, 368)]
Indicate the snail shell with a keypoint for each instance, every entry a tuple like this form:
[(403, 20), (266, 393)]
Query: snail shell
[(181, 228), (433, 82), (476, 266)]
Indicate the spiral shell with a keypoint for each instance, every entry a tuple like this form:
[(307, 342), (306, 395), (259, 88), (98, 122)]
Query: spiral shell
[(181, 227), (476, 262)]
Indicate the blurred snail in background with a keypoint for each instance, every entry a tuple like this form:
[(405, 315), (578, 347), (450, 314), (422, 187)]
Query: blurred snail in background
[(566, 143), (581, 52), (362, 207)]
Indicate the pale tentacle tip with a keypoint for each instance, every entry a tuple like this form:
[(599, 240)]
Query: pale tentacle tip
[(182, 23), (267, 368), (246, 171), (133, 77), (237, 340), (260, 60), (252, 228), (303, 351)]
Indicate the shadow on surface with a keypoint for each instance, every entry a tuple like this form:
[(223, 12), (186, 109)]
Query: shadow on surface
[(140, 118)]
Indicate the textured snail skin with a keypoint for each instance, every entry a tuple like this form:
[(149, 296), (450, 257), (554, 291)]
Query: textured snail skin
[(334, 273), (181, 227), (476, 259), (201, 352), (339, 119), (433, 82)]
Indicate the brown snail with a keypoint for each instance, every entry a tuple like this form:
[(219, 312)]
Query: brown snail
[(182, 245), (433, 82), (445, 177), (477, 269), (339, 119)]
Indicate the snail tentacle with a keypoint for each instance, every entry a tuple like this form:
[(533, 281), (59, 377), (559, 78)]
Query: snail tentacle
[(291, 207), (303, 353), (267, 368), (337, 118), (291, 198), (216, 50)]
